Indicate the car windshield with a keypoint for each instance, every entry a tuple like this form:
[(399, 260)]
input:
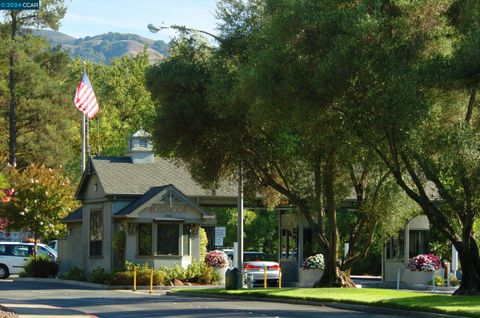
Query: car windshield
[(51, 250), (251, 257)]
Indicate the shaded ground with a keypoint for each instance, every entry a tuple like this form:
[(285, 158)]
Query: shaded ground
[(65, 300)]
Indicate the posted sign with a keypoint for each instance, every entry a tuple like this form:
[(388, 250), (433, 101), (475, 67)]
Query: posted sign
[(19, 4), (220, 232)]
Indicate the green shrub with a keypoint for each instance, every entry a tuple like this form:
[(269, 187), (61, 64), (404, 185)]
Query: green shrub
[(199, 272), (196, 272), (174, 272), (99, 276), (122, 278), (193, 271), (439, 281), (454, 281), (203, 242), (206, 274), (215, 277), (41, 266), (74, 273)]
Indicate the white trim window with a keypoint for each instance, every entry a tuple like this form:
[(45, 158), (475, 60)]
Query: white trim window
[(96, 233), (168, 239)]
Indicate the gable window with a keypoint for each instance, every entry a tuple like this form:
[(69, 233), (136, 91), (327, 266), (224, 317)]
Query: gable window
[(145, 239), (167, 238), (96, 232), (143, 143)]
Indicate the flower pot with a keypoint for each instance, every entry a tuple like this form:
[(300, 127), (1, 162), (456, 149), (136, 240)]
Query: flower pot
[(221, 272), (307, 277), (417, 277)]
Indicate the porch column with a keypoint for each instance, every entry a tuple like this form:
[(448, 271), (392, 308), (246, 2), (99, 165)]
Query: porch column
[(406, 248)]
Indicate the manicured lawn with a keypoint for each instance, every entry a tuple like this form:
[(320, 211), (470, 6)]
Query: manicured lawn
[(455, 305)]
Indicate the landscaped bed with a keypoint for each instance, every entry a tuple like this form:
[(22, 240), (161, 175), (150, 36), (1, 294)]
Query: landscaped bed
[(454, 305)]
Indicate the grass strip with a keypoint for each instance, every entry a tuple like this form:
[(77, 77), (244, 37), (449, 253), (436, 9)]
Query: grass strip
[(447, 304)]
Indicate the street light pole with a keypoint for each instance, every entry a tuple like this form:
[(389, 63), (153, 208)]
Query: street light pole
[(240, 221)]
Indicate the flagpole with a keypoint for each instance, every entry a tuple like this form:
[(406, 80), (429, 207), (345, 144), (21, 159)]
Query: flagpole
[(83, 130), (98, 136), (83, 143), (87, 137)]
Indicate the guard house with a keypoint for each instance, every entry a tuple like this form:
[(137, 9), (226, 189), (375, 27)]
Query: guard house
[(140, 208), (411, 241), (296, 243)]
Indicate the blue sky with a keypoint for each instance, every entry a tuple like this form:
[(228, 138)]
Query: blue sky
[(92, 17)]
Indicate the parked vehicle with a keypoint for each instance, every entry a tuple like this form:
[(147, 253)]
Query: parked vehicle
[(254, 264), (13, 256), (53, 245)]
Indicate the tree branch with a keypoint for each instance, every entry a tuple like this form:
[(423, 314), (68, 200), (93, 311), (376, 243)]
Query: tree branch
[(471, 103)]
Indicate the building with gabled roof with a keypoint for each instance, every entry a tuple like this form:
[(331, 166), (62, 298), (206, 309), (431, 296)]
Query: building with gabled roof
[(139, 208)]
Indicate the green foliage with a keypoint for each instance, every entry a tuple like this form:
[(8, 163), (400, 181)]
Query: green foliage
[(439, 281), (42, 199), (118, 245), (203, 243), (176, 271), (123, 98), (399, 299), (196, 272), (41, 266), (272, 97), (3, 181), (46, 129), (208, 275), (454, 281), (99, 276), (125, 278), (260, 229), (74, 273)]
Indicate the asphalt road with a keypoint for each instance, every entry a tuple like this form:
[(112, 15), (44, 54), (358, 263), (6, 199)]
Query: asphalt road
[(66, 300)]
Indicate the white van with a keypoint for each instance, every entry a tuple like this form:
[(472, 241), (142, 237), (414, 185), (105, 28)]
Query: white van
[(13, 256)]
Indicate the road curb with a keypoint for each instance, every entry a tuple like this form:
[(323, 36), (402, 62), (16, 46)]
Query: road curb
[(104, 286), (336, 305)]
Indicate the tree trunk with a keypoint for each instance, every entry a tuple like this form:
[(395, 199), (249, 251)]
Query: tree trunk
[(470, 261), (12, 160), (334, 277)]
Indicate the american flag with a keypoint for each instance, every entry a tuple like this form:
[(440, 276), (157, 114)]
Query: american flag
[(85, 99)]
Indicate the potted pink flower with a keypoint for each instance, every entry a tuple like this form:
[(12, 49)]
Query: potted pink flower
[(424, 263), (421, 268), (219, 261)]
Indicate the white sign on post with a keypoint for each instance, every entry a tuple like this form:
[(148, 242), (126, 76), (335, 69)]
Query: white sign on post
[(218, 241), (220, 231)]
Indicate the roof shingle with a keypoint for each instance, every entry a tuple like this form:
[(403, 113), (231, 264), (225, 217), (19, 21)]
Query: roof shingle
[(120, 176)]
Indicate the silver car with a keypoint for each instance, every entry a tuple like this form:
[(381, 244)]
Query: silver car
[(255, 264)]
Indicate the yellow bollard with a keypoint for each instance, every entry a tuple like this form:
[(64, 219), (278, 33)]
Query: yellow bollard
[(134, 279), (151, 280), (279, 278), (265, 277)]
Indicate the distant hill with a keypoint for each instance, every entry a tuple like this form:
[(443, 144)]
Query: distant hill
[(105, 47)]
